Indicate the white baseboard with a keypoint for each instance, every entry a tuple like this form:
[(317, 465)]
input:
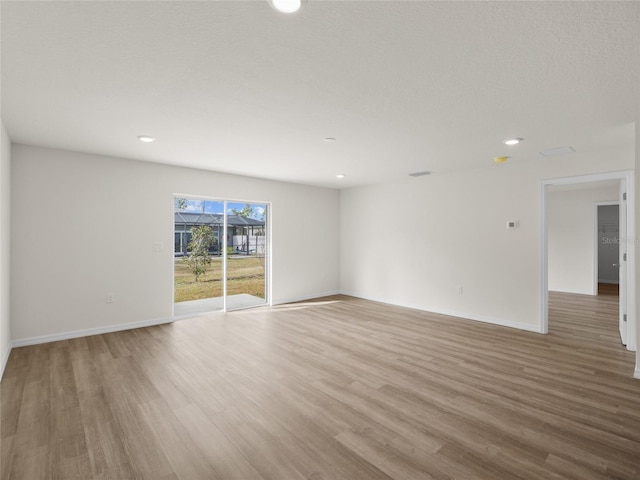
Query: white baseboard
[(575, 292), (23, 342), (281, 301), (5, 359), (452, 313)]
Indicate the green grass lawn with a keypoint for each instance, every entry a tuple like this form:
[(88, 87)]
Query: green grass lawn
[(246, 275)]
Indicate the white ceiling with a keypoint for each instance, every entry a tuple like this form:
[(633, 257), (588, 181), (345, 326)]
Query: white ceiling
[(403, 86)]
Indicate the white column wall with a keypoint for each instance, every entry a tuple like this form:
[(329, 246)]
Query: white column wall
[(5, 247)]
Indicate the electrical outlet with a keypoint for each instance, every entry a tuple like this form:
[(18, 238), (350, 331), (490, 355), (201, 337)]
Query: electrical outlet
[(109, 298)]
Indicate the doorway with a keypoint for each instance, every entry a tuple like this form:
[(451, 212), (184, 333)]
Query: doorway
[(221, 255), (627, 320), (608, 248)]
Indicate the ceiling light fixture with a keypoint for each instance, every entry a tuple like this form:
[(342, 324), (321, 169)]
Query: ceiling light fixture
[(340, 175), (146, 138), (286, 6), (501, 159), (329, 139), (420, 174), (512, 141)]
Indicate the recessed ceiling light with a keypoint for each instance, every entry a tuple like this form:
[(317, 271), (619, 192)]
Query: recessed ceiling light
[(329, 139), (340, 175), (501, 159), (512, 141), (146, 138), (286, 6)]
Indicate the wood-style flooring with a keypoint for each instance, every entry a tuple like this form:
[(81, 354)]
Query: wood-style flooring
[(608, 289), (338, 388)]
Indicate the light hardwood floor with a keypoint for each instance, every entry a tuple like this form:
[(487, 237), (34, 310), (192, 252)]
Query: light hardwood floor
[(338, 388)]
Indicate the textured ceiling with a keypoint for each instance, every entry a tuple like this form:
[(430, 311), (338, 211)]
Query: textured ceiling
[(403, 86)]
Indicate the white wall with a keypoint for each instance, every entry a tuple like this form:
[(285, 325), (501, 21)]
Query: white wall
[(84, 225), (416, 241), (571, 238), (5, 252)]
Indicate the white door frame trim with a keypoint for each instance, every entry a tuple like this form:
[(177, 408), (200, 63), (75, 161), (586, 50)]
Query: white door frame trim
[(627, 179)]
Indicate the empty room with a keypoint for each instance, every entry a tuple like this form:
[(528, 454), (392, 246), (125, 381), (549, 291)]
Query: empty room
[(314, 239)]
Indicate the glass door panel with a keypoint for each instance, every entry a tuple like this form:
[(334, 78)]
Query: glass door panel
[(247, 255), (198, 256)]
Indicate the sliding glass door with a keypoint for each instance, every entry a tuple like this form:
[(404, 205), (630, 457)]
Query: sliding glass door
[(220, 255)]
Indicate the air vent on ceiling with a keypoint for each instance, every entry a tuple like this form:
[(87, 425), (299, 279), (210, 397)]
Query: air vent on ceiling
[(552, 152), (420, 174)]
